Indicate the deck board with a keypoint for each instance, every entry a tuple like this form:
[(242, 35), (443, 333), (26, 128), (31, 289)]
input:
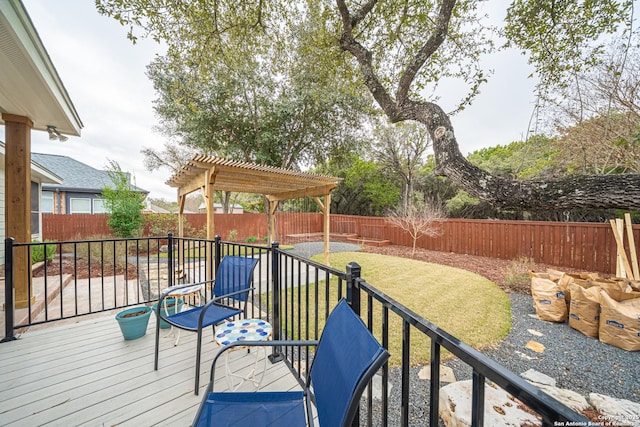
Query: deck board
[(84, 373)]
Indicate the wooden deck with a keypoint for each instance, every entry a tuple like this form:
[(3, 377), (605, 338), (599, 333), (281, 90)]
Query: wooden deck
[(84, 373)]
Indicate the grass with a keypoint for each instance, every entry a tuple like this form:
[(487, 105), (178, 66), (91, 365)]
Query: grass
[(468, 306)]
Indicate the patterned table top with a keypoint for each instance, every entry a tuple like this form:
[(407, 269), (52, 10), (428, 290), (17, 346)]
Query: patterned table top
[(243, 330), (184, 291)]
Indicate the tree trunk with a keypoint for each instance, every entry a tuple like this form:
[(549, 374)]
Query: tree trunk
[(575, 192)]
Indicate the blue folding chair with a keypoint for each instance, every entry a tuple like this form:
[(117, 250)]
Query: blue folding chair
[(346, 358), (230, 295)]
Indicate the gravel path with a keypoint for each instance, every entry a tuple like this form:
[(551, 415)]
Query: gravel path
[(577, 362), (309, 249)]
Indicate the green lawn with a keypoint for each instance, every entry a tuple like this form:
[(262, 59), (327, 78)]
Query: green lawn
[(466, 305)]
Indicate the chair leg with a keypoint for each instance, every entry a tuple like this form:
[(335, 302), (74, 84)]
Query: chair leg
[(155, 365), (198, 352)]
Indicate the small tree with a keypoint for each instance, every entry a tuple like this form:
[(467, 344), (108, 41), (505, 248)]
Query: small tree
[(418, 219), (123, 203)]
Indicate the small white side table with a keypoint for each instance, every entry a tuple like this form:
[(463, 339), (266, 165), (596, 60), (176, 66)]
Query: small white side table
[(183, 293), (244, 330)]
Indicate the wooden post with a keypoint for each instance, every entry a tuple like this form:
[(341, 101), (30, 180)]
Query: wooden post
[(209, 179), (623, 266), (632, 247), (17, 208)]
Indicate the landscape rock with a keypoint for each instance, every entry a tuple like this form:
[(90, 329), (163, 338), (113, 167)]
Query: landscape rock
[(537, 377), (446, 374), (535, 346), (500, 408), (573, 400), (616, 411), (376, 387)]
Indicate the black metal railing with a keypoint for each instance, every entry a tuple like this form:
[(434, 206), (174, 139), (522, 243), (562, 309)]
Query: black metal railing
[(307, 291), (293, 293)]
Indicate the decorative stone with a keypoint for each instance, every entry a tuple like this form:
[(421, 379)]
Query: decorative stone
[(535, 346), (573, 400), (376, 387), (446, 374), (524, 356), (534, 332), (536, 377), (500, 408), (616, 411)]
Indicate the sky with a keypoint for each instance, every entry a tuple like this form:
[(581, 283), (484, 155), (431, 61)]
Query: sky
[(104, 74)]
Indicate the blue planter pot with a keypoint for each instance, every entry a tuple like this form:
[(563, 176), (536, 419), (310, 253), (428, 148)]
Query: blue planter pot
[(133, 326), (171, 308)]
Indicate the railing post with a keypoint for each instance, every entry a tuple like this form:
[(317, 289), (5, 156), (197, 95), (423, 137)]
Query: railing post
[(8, 291), (353, 287), (218, 255), (276, 355), (353, 298), (170, 259)]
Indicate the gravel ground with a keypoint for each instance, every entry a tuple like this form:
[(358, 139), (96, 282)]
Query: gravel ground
[(309, 249), (577, 362)]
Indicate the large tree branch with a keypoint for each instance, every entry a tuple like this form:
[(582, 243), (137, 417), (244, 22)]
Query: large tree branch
[(364, 58), (429, 48), (574, 192), (584, 191)]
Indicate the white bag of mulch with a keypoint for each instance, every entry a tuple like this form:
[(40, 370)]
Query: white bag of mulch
[(620, 322), (548, 298), (584, 311)]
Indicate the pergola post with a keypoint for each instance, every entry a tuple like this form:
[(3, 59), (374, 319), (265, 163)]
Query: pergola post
[(17, 208), (326, 223), (210, 208)]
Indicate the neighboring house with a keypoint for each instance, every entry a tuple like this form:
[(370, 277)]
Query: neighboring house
[(39, 176), (235, 209), (80, 190)]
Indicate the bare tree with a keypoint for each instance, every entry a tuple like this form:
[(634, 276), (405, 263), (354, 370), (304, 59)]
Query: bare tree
[(419, 219)]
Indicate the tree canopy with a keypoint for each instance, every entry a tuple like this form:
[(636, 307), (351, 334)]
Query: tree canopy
[(400, 51)]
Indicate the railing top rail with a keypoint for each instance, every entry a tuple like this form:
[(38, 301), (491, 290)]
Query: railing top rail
[(530, 395)]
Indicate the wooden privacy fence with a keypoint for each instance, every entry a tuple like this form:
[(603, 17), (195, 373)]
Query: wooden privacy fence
[(580, 246)]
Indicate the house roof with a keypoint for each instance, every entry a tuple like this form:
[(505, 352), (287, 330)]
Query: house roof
[(30, 85), (39, 172), (76, 176)]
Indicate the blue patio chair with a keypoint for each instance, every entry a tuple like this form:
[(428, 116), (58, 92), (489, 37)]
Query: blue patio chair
[(230, 295), (346, 358)]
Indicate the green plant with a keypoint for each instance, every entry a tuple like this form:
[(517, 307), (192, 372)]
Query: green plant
[(123, 203), (42, 251), (252, 239), (233, 235)]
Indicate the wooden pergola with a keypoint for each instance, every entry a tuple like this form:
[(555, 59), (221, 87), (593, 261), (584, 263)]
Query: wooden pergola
[(208, 173)]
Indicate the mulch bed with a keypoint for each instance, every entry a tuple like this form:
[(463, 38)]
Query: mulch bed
[(80, 268)]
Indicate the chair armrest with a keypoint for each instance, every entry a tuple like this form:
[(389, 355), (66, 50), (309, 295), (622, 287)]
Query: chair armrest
[(177, 287), (279, 343), (216, 299)]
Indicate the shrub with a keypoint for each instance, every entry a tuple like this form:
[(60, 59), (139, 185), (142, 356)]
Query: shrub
[(233, 235), (252, 239), (518, 272), (42, 251)]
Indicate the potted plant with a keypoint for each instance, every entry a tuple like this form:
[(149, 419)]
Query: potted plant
[(170, 304), (133, 322)]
